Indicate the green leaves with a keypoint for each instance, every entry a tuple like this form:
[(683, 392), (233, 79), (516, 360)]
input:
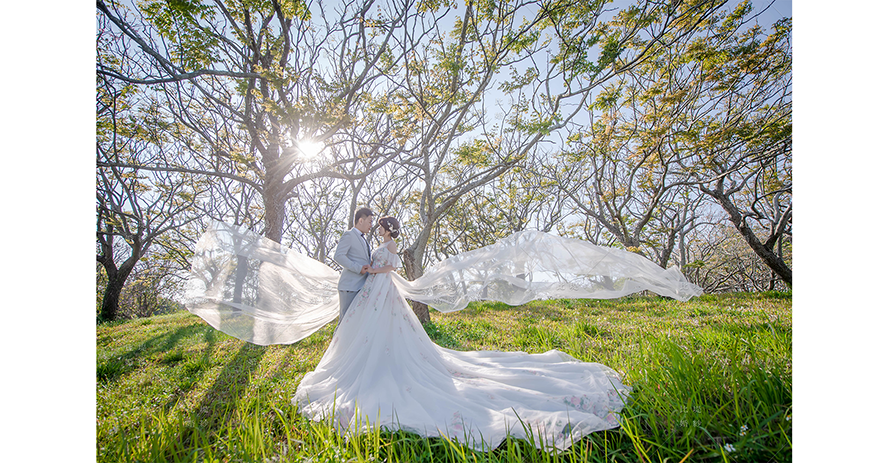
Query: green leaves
[(608, 98), (295, 9), (427, 6), (475, 153), (179, 23), (518, 80)]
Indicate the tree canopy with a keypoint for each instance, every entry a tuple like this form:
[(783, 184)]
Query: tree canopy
[(661, 127)]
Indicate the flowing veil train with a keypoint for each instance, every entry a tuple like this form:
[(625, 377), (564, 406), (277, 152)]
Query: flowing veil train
[(381, 370), (256, 290)]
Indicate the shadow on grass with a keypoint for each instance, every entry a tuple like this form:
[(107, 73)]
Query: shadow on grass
[(744, 296), (195, 367), (184, 436), (285, 368), (112, 369), (216, 405), (751, 331)]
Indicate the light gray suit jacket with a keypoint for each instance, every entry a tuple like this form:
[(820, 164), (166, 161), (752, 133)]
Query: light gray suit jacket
[(352, 253)]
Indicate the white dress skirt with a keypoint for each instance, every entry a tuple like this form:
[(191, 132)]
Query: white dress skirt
[(382, 370)]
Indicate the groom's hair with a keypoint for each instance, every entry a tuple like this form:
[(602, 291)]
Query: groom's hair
[(363, 212)]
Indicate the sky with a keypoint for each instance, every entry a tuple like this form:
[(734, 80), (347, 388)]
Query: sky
[(49, 138), (774, 10)]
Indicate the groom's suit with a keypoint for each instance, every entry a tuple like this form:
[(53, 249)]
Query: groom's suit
[(352, 253)]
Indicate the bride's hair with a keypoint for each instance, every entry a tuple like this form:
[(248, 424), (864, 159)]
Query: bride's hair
[(391, 225)]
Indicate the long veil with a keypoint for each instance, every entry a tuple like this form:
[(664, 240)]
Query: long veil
[(258, 291), (530, 265), (254, 289)]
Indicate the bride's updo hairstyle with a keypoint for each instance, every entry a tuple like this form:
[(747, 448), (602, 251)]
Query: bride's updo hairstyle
[(391, 225)]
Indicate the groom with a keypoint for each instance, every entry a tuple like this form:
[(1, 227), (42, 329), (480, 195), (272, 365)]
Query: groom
[(353, 254)]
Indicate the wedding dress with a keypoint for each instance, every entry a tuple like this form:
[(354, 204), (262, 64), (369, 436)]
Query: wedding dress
[(381, 370)]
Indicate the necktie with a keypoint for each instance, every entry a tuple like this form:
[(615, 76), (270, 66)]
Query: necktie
[(367, 243)]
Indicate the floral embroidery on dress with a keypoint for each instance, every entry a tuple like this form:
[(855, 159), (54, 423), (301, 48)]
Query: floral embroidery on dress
[(382, 257), (459, 374), (587, 404), (365, 291), (457, 422)]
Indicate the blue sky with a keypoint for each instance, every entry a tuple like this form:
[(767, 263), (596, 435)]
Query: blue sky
[(778, 9)]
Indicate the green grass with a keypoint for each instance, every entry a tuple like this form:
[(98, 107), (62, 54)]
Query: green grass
[(708, 375)]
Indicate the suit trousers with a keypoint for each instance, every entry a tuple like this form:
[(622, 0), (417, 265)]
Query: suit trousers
[(345, 300)]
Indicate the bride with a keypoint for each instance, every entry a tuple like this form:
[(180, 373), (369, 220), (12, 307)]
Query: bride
[(381, 370)]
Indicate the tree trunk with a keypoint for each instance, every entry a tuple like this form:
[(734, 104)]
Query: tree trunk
[(111, 299), (771, 259), (240, 275), (667, 251), (116, 281), (632, 245), (682, 251), (274, 214), (353, 206), (414, 271)]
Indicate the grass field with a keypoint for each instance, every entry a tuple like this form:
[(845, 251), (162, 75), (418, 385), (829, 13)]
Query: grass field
[(711, 378)]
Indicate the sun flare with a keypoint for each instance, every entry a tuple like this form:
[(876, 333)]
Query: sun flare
[(310, 149)]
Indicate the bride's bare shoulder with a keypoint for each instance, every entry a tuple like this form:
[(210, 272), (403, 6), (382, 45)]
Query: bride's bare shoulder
[(392, 247)]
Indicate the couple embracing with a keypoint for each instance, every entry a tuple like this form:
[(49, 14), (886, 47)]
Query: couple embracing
[(353, 253)]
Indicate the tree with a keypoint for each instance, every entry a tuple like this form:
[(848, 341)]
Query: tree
[(518, 200), (721, 260), (712, 111), (441, 90), (743, 151), (632, 190), (133, 208), (444, 88), (247, 83), (615, 169)]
